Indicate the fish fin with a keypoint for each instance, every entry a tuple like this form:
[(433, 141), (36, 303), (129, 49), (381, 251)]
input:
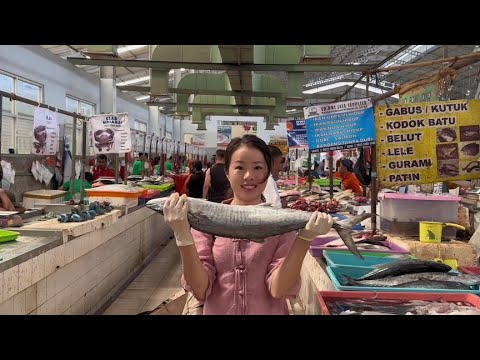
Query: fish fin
[(198, 215), (351, 222)]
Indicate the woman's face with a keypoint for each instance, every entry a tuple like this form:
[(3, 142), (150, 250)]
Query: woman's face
[(247, 174)]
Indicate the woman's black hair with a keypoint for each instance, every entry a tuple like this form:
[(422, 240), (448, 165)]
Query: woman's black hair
[(251, 141)]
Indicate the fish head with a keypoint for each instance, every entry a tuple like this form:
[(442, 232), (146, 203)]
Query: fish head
[(157, 204)]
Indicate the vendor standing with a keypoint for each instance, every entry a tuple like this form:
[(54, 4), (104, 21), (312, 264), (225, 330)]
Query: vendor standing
[(78, 185), (101, 169), (349, 180), (138, 166)]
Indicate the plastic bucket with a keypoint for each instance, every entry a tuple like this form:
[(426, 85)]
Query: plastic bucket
[(431, 232)]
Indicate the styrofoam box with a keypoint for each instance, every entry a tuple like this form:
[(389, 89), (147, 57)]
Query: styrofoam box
[(401, 213), (115, 201)]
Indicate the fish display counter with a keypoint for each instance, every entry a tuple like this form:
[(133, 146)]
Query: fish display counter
[(77, 267)]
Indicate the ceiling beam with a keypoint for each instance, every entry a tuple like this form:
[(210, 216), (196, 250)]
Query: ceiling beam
[(146, 89), (166, 65), (214, 106), (384, 61)]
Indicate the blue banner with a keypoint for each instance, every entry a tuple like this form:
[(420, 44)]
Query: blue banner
[(341, 130), (297, 134)]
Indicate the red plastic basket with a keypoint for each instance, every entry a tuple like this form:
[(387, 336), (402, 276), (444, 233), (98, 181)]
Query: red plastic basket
[(473, 270)]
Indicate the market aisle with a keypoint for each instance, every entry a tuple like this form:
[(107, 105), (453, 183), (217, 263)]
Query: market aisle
[(157, 282)]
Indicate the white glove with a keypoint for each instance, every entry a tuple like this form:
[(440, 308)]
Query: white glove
[(319, 224), (175, 212)]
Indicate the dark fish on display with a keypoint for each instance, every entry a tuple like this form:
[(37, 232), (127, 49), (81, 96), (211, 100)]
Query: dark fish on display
[(406, 266)]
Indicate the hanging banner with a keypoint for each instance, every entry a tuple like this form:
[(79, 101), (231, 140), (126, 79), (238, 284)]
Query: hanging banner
[(45, 132), (198, 139), (224, 135), (341, 125), (111, 133), (428, 142), (280, 142), (297, 134), (336, 108), (244, 129)]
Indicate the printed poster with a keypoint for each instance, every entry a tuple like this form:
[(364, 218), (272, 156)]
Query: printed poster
[(224, 135), (297, 134), (280, 142), (110, 134), (340, 125), (45, 132), (428, 142), (198, 139), (244, 129)]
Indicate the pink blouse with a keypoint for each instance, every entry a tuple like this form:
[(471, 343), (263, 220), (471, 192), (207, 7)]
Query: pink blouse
[(240, 274)]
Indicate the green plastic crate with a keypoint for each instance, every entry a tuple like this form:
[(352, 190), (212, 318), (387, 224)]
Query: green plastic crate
[(6, 235), (326, 182)]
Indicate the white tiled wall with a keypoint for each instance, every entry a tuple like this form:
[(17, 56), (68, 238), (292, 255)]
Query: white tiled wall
[(80, 276)]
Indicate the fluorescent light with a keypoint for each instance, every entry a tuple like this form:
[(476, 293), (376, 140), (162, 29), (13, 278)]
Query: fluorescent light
[(134, 81), (143, 97), (292, 110), (129, 48), (346, 83)]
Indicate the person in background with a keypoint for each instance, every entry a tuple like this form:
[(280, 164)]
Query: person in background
[(156, 167), (237, 277), (216, 185), (138, 167), (349, 180), (270, 193), (316, 170), (169, 165), (195, 183), (322, 168), (147, 166), (101, 169), (78, 185)]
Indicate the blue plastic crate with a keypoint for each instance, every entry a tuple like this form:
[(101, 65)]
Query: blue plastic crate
[(335, 273), (342, 258)]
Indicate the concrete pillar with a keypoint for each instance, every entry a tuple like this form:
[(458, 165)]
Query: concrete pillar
[(177, 123), (154, 120), (108, 101), (108, 98)]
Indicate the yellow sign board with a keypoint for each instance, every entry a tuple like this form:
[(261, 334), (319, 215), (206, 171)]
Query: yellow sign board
[(280, 142), (428, 142)]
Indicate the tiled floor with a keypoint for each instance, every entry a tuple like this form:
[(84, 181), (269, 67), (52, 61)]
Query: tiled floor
[(157, 282)]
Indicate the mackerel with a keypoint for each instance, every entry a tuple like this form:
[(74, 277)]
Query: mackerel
[(402, 267), (467, 279), (255, 223)]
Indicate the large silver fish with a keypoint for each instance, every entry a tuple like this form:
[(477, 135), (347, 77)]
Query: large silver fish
[(469, 280), (254, 223)]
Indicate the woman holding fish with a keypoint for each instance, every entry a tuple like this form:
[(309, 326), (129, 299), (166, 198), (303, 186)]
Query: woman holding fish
[(232, 276)]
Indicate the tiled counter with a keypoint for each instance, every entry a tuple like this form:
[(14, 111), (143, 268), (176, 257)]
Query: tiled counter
[(314, 278), (61, 270)]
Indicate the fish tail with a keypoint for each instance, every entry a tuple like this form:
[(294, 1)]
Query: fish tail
[(346, 236)]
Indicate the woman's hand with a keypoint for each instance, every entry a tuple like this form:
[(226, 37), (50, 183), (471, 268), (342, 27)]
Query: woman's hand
[(175, 212), (319, 224)]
